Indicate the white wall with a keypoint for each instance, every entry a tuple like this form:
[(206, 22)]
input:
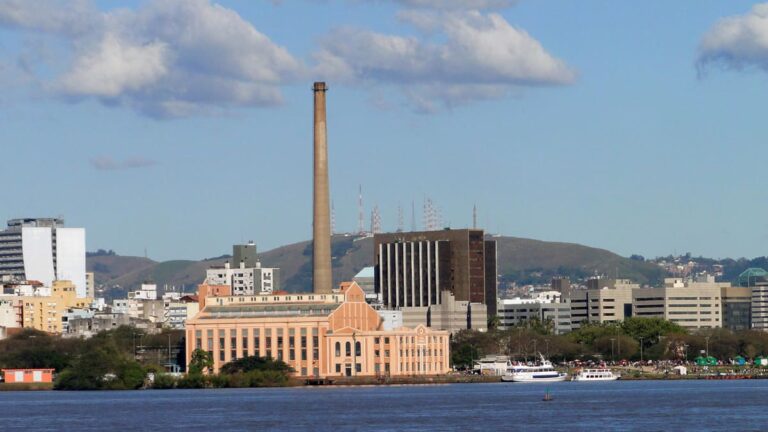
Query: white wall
[(70, 258), (37, 249)]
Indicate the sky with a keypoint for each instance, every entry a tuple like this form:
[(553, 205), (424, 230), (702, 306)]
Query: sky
[(181, 127)]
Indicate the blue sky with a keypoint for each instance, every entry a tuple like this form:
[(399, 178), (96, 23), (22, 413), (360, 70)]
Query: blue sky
[(185, 127)]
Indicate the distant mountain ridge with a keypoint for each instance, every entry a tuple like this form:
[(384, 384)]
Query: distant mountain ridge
[(520, 260)]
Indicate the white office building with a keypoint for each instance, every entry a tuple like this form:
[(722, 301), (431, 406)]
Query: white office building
[(43, 250)]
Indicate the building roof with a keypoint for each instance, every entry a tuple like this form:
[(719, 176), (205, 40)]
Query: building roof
[(268, 311), (752, 275)]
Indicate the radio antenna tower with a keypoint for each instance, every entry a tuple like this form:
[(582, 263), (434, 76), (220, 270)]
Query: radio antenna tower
[(360, 213), (400, 222), (431, 218), (375, 220)]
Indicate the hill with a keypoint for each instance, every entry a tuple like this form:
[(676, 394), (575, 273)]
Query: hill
[(520, 260)]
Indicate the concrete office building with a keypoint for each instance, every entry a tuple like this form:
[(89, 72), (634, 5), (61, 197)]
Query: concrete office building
[(737, 307), (41, 249), (691, 304), (414, 269), (756, 279), (604, 301), (513, 312)]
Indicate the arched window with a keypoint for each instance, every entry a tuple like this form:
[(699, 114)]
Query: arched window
[(349, 349), (338, 349), (357, 349)]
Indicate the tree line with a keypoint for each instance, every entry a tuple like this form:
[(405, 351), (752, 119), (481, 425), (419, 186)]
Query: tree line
[(632, 340)]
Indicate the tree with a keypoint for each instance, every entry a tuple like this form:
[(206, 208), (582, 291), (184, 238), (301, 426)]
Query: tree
[(201, 361), (255, 363)]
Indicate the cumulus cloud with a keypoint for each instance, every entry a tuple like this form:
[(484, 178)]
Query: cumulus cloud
[(482, 56), (168, 58), (107, 163), (737, 42)]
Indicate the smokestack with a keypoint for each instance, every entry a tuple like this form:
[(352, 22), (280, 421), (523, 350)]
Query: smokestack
[(321, 225)]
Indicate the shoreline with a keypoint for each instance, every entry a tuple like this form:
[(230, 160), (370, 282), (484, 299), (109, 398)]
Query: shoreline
[(418, 381)]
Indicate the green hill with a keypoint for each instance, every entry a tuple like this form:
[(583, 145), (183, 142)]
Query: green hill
[(520, 260)]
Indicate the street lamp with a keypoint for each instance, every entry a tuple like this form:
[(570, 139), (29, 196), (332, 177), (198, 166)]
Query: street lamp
[(706, 338), (613, 358)]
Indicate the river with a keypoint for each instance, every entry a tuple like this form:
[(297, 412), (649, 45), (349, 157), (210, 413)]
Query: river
[(629, 405)]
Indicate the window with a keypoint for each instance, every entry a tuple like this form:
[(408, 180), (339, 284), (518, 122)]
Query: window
[(338, 368), (376, 340), (349, 349), (386, 340), (338, 349), (358, 367), (315, 348), (358, 349)]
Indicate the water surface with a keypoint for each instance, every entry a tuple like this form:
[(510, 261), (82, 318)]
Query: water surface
[(628, 405)]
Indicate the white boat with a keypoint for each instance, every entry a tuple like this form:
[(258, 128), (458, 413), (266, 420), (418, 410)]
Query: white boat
[(542, 372), (603, 374)]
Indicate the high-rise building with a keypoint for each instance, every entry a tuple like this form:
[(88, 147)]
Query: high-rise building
[(414, 269), (42, 249), (757, 280)]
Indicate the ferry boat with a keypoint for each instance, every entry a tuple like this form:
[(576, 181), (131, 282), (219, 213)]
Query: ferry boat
[(542, 372), (602, 374)]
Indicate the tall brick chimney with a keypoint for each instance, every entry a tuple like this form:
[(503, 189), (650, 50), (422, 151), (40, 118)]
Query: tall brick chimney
[(321, 225)]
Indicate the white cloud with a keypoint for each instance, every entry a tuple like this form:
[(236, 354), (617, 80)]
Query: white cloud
[(482, 57), (737, 42), (168, 58)]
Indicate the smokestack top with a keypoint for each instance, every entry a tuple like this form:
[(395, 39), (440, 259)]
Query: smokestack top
[(320, 86)]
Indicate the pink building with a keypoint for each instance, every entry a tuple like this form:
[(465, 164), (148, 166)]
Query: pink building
[(319, 335)]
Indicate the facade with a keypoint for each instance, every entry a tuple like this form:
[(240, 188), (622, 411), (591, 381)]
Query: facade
[(690, 304), (90, 285), (756, 279), (319, 335), (47, 313), (244, 273), (43, 250), (513, 312), (604, 301), (177, 310), (28, 375), (737, 307), (414, 269), (450, 314)]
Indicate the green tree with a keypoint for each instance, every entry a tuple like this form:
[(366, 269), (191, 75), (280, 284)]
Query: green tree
[(255, 363), (201, 361)]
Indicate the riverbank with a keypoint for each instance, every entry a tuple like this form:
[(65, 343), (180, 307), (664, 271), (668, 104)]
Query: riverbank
[(25, 386)]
